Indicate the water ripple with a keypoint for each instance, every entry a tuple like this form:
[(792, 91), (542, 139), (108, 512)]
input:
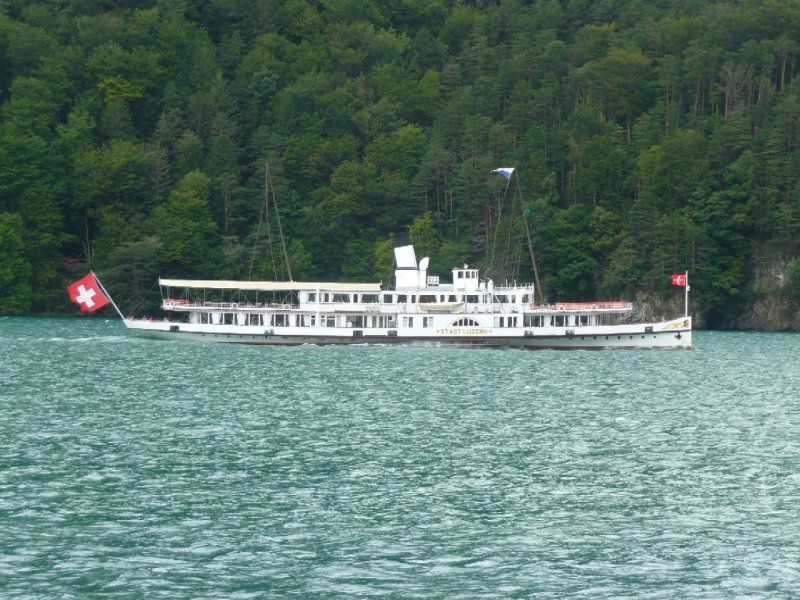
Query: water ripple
[(147, 469)]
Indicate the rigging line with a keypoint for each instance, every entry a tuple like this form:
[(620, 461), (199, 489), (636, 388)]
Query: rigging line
[(269, 224), (509, 231), (133, 310), (516, 265), (497, 224), (530, 243), (255, 244), (280, 228)]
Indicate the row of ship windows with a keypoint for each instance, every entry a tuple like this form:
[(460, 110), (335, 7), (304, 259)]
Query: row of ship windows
[(327, 297), (287, 320), (290, 320), (284, 320)]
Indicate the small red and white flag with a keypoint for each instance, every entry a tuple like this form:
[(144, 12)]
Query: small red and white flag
[(86, 294), (679, 280)]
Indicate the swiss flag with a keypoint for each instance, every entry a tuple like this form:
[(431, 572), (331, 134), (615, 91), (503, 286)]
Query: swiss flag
[(679, 280), (86, 294)]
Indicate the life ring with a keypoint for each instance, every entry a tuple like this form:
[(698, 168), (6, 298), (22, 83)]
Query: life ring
[(594, 307), (561, 307), (234, 305)]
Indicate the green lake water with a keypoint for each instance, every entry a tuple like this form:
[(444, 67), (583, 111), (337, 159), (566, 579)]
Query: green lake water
[(132, 468)]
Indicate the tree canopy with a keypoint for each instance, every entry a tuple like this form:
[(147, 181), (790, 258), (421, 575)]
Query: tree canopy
[(648, 138)]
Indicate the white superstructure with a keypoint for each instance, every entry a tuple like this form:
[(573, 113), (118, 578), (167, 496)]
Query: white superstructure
[(420, 309)]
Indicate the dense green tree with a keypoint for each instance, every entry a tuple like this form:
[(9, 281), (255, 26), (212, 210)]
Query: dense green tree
[(647, 137), (423, 236), (16, 295), (130, 273), (187, 231), (119, 174)]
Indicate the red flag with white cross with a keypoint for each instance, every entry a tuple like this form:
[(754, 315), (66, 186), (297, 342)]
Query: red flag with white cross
[(86, 294), (679, 280)]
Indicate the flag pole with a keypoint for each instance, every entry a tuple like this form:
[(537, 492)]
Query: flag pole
[(497, 225), (110, 299), (686, 294)]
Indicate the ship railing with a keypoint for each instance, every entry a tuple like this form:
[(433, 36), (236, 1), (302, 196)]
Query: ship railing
[(512, 288), (583, 307), (181, 304)]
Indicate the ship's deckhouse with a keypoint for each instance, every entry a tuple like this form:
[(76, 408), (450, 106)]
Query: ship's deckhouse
[(465, 279)]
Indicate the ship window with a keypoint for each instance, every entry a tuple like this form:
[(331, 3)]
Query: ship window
[(408, 321), (402, 298), (341, 297), (312, 297), (505, 321), (427, 321), (533, 321), (387, 299), (369, 298), (205, 318), (466, 322), (227, 318), (473, 299), (280, 320), (427, 298), (255, 319)]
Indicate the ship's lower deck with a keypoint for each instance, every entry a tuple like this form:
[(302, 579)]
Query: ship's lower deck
[(668, 334)]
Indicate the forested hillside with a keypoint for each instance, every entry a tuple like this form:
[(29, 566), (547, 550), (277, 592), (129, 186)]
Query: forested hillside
[(649, 137)]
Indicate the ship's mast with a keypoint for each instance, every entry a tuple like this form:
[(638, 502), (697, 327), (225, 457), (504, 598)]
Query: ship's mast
[(270, 188)]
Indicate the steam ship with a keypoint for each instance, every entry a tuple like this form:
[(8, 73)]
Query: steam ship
[(469, 311)]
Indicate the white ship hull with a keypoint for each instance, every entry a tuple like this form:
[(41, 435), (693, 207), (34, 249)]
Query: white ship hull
[(676, 333)]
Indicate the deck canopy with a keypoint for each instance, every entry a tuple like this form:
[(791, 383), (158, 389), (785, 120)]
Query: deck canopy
[(269, 286)]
